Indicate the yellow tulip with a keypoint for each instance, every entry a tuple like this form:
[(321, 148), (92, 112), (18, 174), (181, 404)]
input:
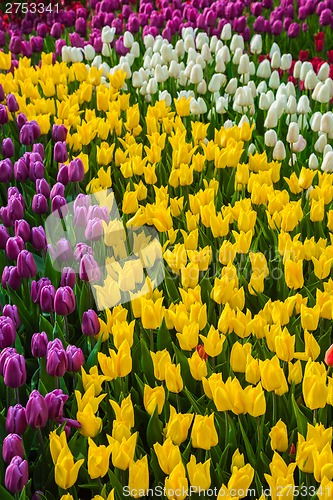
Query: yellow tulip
[(168, 455), (204, 433), (66, 471), (152, 398), (138, 478), (98, 459), (178, 426), (279, 437), (199, 474)]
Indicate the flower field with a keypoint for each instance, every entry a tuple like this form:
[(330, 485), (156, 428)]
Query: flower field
[(166, 250)]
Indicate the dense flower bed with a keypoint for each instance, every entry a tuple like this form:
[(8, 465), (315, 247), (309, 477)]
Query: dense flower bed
[(166, 186)]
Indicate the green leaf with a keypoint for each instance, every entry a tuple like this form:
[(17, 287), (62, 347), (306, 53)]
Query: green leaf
[(163, 340), (45, 326), (115, 483), (301, 420), (92, 359), (248, 447), (171, 288), (154, 429), (4, 494), (147, 363)]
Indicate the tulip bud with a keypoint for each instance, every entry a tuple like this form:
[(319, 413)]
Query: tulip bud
[(64, 301), (270, 138), (11, 447), (60, 154), (14, 246), (46, 299), (14, 371), (90, 323), (7, 149), (89, 269), (7, 332), (39, 342), (327, 164), (38, 238), (293, 132), (279, 151), (4, 235), (75, 358), (36, 410), (58, 189), (16, 421), (313, 162), (3, 114), (55, 401), (10, 276), (12, 104), (68, 277), (12, 313), (26, 265), (16, 476), (5, 353)]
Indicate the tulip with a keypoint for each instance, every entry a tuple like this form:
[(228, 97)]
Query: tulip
[(46, 299), (89, 269), (199, 474), (279, 437), (12, 446), (66, 471), (76, 170), (14, 371), (7, 149), (12, 312), (98, 459), (26, 265), (138, 478), (36, 410), (55, 401), (16, 421), (7, 332), (4, 235), (27, 136), (12, 104), (68, 277), (5, 353), (64, 301), (152, 398), (14, 246), (152, 313), (178, 426), (43, 187), (90, 323), (177, 482), (38, 238), (3, 114), (39, 343), (11, 277), (204, 433), (56, 361), (16, 476), (22, 229), (94, 230), (123, 453), (75, 358), (60, 154), (90, 424), (173, 378), (168, 455)]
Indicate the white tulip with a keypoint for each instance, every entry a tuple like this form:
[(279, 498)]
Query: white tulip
[(196, 74), (108, 34), (237, 55), (232, 86), (323, 95), (311, 80), (219, 45), (264, 69), (167, 53), (290, 88), (212, 43), (228, 124), (215, 83), (327, 165), (66, 54), (272, 118), (303, 105), (179, 48), (220, 65), (270, 97), (251, 149), (279, 151), (205, 52), (188, 69), (202, 87), (158, 42), (125, 67), (320, 143), (274, 48), (148, 41), (276, 60), (128, 39), (195, 108), (324, 71), (236, 42), (137, 80), (226, 32), (106, 50), (222, 105), (252, 68), (76, 55), (156, 59), (299, 145), (183, 78), (256, 44), (293, 132), (244, 64), (274, 81), (152, 86), (200, 60), (297, 69), (263, 102), (286, 62), (192, 55), (292, 160), (135, 50), (97, 62), (143, 89), (89, 52), (188, 43), (326, 123), (225, 52), (244, 119), (262, 87), (270, 138), (313, 162), (165, 96), (147, 62), (306, 67), (315, 121), (174, 69), (201, 39), (327, 149), (291, 105)]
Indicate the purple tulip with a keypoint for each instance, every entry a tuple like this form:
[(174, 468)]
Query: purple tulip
[(7, 149), (38, 495), (26, 49), (293, 30), (94, 230), (15, 208), (36, 288), (80, 250), (16, 476), (68, 277), (35, 128), (37, 43), (80, 217), (14, 246), (7, 332), (39, 148), (63, 174), (76, 170), (62, 252), (12, 103), (4, 235), (38, 238), (325, 17), (81, 26), (97, 212), (60, 154), (58, 189), (21, 120), (46, 299), (89, 269), (27, 134), (26, 264), (55, 401), (12, 312), (4, 354), (14, 371), (15, 44), (6, 170), (59, 133), (10, 276), (90, 323), (42, 30), (39, 343), (75, 358), (22, 229), (16, 421), (64, 301), (43, 187), (3, 114), (56, 362), (39, 204), (56, 30), (21, 169), (2, 93), (36, 410), (36, 170), (59, 45), (12, 446), (82, 200), (59, 206)]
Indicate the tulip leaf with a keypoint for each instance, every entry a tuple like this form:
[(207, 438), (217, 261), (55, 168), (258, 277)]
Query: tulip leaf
[(300, 417), (248, 447), (163, 340), (25, 315), (188, 380), (147, 363), (84, 300), (92, 359), (5, 495), (115, 483), (172, 291), (49, 271), (45, 326), (154, 429)]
